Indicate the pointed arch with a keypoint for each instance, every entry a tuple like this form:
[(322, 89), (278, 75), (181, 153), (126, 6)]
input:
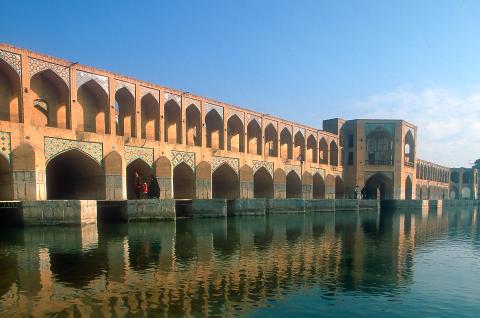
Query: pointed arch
[(173, 122), (293, 185), (225, 183), (318, 186), (299, 146), (184, 185), (263, 184), (254, 138), (312, 151), (144, 171), (271, 141), (333, 153), (409, 148), (408, 188), (323, 151), (10, 93), (379, 186), (286, 144), (339, 188), (6, 179), (150, 116), (91, 109), (125, 113), (203, 175), (235, 134), (214, 126), (193, 126)]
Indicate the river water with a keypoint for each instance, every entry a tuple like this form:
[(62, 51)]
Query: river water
[(344, 264)]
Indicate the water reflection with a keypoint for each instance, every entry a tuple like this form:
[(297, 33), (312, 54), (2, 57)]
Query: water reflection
[(215, 266)]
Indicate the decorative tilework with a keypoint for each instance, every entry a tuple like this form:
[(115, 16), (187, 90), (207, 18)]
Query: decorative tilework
[(84, 77), (193, 102), (36, 66), (5, 145), (296, 169), (56, 146), (121, 84), (320, 171), (218, 161), (13, 60), (169, 96), (133, 153), (251, 117), (209, 107), (231, 112), (147, 90), (265, 164), (297, 129), (183, 156)]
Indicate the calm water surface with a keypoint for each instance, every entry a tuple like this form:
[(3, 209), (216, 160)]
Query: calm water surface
[(343, 264)]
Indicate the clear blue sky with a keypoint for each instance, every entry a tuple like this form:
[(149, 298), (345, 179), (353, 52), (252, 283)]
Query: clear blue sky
[(302, 60)]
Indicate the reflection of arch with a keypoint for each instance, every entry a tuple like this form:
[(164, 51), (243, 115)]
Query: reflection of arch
[(144, 171), (193, 126), (235, 134), (50, 95), (286, 144), (150, 127), (293, 185), (254, 138), (271, 142), (339, 188), (379, 186), (91, 108), (214, 126), (299, 146), (74, 175), (225, 183), (408, 188), (10, 101), (262, 184), (333, 153), (173, 122), (183, 182), (125, 108), (409, 150), (6, 179), (323, 147), (312, 153), (318, 187)]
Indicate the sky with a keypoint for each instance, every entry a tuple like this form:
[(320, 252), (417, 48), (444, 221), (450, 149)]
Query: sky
[(305, 61)]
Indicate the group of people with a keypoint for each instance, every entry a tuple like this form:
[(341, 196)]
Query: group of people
[(144, 190), (360, 194)]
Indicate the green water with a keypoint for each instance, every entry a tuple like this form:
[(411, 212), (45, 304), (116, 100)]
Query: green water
[(344, 264)]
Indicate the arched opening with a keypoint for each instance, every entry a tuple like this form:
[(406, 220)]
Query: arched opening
[(379, 186), (467, 177), (144, 172), (318, 187), (408, 188), (125, 112), (91, 109), (379, 147), (286, 144), (323, 147), (246, 182), (113, 167), (466, 193), (339, 188), (293, 185), (409, 150), (150, 117), (10, 92), (235, 134), (271, 141), (73, 175), (254, 137), (183, 182), (50, 96), (312, 153), (173, 122), (203, 174), (214, 125), (299, 147), (333, 153), (454, 177), (194, 126), (225, 183), (262, 184), (6, 180)]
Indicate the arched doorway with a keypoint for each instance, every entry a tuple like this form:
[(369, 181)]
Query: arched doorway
[(150, 128), (214, 126), (408, 188), (125, 112), (286, 144), (73, 175), (409, 151), (144, 172), (91, 109), (262, 184), (318, 187), (379, 186), (50, 95), (294, 185), (173, 122), (254, 137), (203, 175), (194, 126), (339, 188), (235, 134), (10, 92), (312, 153), (6, 180), (183, 182), (225, 183), (271, 143)]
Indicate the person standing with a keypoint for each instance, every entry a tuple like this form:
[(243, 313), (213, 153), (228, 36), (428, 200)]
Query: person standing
[(154, 188), (138, 186)]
